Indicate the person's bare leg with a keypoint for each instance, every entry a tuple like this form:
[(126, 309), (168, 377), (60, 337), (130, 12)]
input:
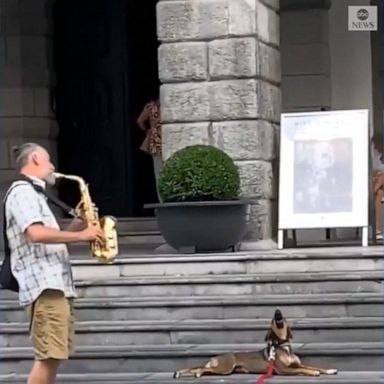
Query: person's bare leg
[(378, 210), (44, 372)]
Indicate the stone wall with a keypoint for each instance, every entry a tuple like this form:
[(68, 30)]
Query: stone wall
[(305, 55), (220, 68)]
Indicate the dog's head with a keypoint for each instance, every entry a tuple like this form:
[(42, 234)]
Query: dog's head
[(279, 332)]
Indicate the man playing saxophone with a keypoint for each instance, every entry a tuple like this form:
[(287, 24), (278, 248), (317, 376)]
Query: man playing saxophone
[(40, 262)]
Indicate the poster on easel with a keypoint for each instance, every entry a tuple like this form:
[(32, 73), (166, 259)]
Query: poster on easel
[(324, 171)]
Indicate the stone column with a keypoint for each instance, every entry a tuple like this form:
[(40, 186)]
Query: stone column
[(219, 63), (25, 80)]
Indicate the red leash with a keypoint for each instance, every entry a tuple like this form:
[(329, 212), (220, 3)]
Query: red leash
[(262, 378)]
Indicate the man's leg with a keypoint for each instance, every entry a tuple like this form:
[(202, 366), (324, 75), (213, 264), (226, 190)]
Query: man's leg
[(52, 335), (44, 372)]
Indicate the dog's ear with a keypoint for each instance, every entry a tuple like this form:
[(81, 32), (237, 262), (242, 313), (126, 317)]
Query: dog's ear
[(289, 333)]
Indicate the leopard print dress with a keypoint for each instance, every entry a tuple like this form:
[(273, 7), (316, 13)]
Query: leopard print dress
[(153, 139)]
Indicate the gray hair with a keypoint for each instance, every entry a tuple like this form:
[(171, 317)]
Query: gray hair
[(23, 153)]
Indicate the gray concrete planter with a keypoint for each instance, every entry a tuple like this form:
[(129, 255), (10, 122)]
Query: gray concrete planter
[(205, 226)]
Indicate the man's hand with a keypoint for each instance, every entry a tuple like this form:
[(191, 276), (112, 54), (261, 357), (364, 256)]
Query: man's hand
[(80, 211), (93, 233)]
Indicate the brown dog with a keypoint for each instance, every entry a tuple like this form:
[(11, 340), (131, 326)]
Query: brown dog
[(285, 361)]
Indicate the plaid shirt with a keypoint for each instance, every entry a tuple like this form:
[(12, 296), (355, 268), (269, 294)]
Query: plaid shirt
[(36, 266)]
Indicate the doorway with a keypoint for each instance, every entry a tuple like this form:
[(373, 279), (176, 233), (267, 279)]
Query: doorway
[(105, 60)]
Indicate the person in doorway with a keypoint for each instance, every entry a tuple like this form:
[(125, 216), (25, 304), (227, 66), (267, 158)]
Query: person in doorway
[(40, 262), (149, 122), (378, 186)]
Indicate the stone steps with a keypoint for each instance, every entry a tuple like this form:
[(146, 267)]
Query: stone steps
[(157, 313), (157, 358), (166, 378), (233, 331), (276, 262), (233, 284), (216, 307)]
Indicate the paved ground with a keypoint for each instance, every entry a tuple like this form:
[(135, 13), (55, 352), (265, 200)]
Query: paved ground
[(165, 378)]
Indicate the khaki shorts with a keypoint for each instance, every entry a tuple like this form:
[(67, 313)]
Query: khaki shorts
[(52, 326)]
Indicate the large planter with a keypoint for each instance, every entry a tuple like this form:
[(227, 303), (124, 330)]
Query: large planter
[(202, 226)]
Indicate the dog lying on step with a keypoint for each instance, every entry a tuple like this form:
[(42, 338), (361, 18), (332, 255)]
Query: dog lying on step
[(285, 362)]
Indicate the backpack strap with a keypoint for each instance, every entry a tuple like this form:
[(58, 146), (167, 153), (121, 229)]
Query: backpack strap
[(53, 199)]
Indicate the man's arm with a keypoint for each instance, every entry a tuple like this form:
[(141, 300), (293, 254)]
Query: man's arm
[(143, 117), (23, 204), (76, 225), (39, 233)]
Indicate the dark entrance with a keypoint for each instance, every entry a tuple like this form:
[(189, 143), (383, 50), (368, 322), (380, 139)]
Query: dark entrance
[(105, 58)]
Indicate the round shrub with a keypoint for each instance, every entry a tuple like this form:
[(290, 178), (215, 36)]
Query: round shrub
[(199, 173)]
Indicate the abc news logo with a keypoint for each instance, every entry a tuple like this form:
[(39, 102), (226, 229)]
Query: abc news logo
[(362, 18)]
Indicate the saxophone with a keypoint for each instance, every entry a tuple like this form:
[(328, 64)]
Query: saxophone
[(108, 252)]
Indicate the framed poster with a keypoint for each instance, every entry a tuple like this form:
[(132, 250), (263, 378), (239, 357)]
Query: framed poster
[(324, 169)]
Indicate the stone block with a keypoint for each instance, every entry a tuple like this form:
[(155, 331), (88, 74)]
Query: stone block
[(39, 6), (261, 224), (178, 136), (9, 6), (304, 27), (234, 99), (274, 4), (269, 64), (184, 102), (10, 24), (245, 140), (204, 19), (220, 100), (229, 58), (33, 22), (6, 177), (28, 51), (38, 77), (269, 101), (306, 92), (35, 51), (31, 127), (16, 102), (267, 24), (305, 59), (244, 99), (36, 23), (12, 77), (183, 62), (256, 179), (2, 52), (13, 54), (42, 102), (4, 155)]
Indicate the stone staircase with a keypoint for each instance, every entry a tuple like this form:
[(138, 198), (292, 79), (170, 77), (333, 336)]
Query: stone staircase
[(150, 314)]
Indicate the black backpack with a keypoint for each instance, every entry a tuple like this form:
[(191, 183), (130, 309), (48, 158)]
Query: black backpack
[(7, 279)]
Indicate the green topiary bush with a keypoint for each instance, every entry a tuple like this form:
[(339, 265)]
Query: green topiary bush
[(199, 173)]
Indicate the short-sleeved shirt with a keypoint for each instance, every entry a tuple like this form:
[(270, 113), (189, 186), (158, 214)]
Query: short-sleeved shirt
[(36, 266)]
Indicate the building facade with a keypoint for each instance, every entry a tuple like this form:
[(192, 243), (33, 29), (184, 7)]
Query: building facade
[(227, 68)]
